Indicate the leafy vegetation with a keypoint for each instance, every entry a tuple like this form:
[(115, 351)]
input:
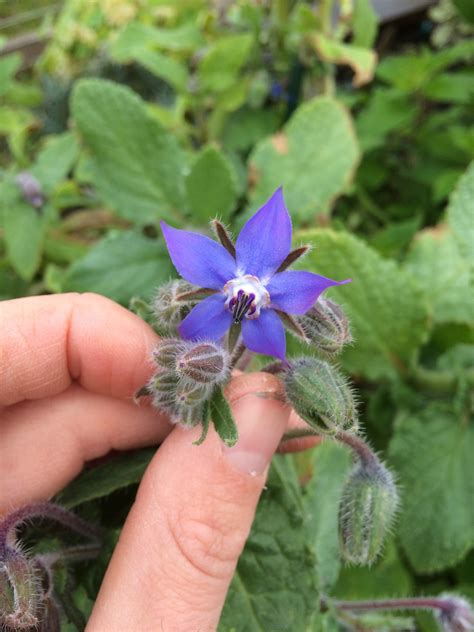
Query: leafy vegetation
[(184, 111)]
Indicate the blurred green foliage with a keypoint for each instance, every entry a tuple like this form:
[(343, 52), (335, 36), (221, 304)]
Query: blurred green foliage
[(138, 111)]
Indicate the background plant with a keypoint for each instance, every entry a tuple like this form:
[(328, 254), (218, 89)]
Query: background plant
[(183, 111)]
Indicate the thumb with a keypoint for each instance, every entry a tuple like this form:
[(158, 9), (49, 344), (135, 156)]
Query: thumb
[(181, 541)]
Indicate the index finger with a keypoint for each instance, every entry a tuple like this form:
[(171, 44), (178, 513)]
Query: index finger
[(46, 342)]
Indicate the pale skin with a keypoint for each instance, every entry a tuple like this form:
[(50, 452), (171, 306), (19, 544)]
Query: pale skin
[(69, 366)]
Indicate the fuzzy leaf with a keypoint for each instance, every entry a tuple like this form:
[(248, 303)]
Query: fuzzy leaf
[(361, 60), (437, 263), (120, 267), (323, 493), (460, 214), (138, 166), (432, 454), (221, 63), (120, 471), (313, 157), (222, 419), (56, 159), (274, 587), (386, 309), (211, 186)]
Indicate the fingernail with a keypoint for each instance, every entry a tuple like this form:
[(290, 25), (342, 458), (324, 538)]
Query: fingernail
[(261, 419)]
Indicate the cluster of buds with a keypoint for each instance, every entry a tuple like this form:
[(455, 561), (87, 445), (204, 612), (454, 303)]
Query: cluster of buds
[(186, 377), (28, 598)]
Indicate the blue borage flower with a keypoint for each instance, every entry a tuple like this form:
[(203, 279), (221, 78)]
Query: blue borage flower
[(248, 287)]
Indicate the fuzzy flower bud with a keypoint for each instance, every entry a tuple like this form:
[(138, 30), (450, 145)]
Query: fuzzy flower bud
[(368, 505), (31, 189), (169, 309), (166, 352), (192, 394), (321, 395), (162, 387), (456, 615), (326, 326), (20, 590), (187, 416), (204, 362)]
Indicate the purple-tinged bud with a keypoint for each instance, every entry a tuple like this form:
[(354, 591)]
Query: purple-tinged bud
[(166, 352), (31, 189), (321, 395), (187, 416), (204, 362), (326, 326), (367, 509), (169, 311), (20, 590), (192, 394), (162, 387), (456, 615)]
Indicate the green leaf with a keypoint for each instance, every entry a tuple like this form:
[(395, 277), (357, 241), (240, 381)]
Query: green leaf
[(102, 480), (121, 266), (11, 286), (9, 66), (223, 60), (135, 36), (222, 418), (314, 158), (459, 214), (23, 229), (323, 493), (274, 587), (386, 111), (56, 159), (387, 310), (211, 186), (432, 453), (437, 263), (361, 60), (388, 577), (138, 166), (364, 24), (451, 87), (165, 67)]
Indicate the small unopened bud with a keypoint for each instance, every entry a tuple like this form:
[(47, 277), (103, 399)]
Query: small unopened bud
[(456, 615), (162, 387), (192, 394), (368, 505), (168, 310), (204, 362), (321, 395), (30, 188), (326, 326), (166, 352), (20, 590), (187, 416)]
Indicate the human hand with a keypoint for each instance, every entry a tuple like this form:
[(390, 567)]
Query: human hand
[(69, 365)]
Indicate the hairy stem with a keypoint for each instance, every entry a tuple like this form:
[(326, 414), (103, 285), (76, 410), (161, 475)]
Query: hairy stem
[(407, 603), (363, 451)]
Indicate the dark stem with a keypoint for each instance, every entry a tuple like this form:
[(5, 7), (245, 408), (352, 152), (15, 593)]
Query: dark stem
[(408, 603), (69, 554), (42, 510), (363, 451), (237, 353), (274, 368)]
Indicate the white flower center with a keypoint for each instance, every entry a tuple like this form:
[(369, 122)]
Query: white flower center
[(246, 295)]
